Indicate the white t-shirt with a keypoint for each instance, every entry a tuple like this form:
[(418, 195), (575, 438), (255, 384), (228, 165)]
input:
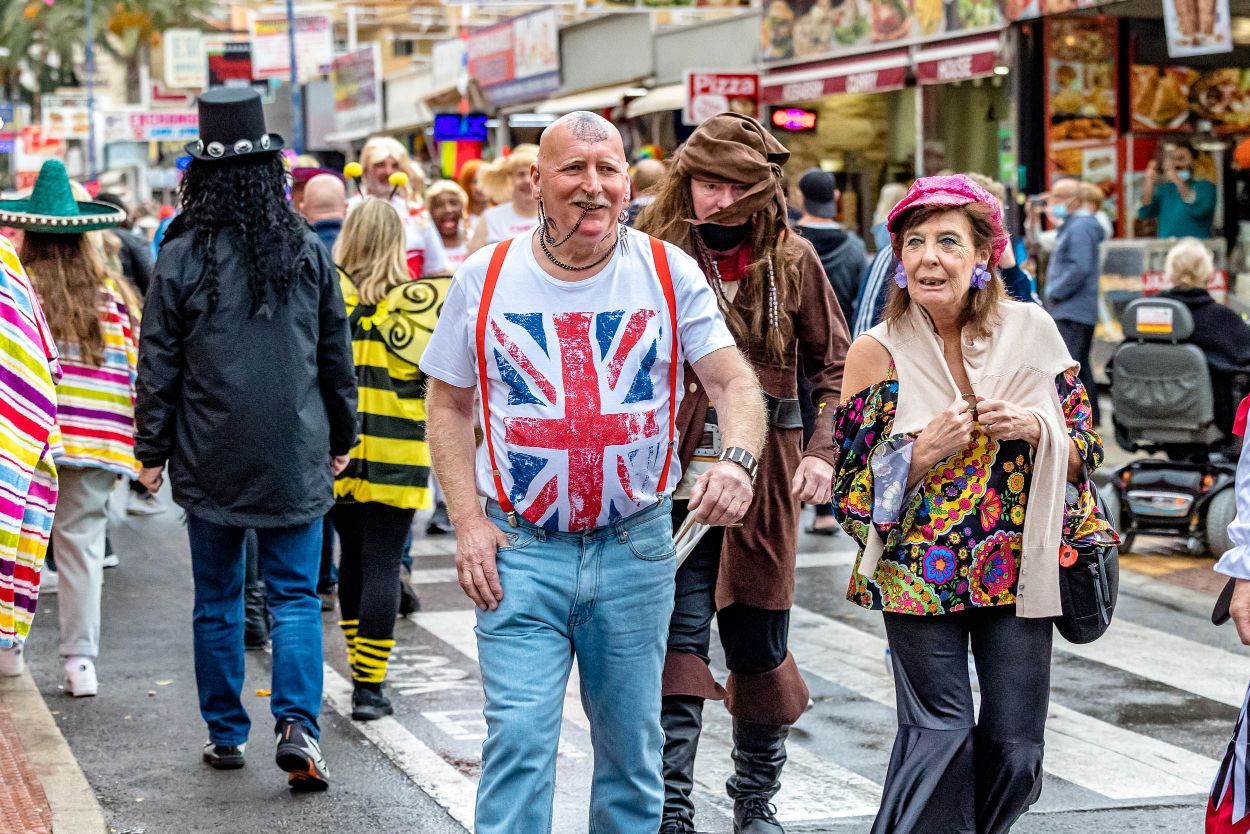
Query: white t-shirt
[(424, 247), (456, 255), (502, 222), (578, 377)]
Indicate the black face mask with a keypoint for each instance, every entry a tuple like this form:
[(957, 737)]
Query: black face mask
[(723, 238)]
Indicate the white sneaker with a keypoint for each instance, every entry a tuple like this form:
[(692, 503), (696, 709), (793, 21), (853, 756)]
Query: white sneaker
[(110, 560), (12, 662), (48, 583), (145, 504), (80, 679)]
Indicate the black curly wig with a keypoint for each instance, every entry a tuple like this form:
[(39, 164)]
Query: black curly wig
[(247, 194)]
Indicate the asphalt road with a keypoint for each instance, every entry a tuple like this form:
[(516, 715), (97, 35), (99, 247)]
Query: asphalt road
[(1137, 722)]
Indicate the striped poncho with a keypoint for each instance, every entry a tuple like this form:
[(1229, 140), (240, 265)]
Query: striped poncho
[(391, 462), (95, 420), (28, 375)]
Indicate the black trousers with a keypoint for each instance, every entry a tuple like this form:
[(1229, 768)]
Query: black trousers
[(950, 773), (755, 639), (1080, 339), (371, 537)]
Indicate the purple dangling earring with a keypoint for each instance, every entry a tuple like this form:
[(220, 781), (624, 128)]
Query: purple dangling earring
[(980, 276), (900, 276)]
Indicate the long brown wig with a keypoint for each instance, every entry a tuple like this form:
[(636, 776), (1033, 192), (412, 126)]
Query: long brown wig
[(668, 218), (68, 274)]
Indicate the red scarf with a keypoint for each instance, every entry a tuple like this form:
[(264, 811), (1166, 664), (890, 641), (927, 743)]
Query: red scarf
[(732, 266)]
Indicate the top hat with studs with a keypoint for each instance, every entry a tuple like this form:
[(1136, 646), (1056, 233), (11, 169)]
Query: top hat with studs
[(232, 124), (51, 207)]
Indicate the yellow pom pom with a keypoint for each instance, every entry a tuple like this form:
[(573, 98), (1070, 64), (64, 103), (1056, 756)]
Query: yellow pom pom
[(353, 170), (398, 179)]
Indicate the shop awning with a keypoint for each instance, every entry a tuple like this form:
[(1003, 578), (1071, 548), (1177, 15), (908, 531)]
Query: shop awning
[(959, 60), (668, 97), (600, 98), (875, 73)]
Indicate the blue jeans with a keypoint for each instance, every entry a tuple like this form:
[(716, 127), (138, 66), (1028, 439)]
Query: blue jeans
[(289, 558), (605, 597)]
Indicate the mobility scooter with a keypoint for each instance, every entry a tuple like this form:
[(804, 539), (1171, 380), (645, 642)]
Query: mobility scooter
[(1164, 403)]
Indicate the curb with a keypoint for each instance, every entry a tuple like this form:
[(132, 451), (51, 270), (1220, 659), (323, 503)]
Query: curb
[(75, 809)]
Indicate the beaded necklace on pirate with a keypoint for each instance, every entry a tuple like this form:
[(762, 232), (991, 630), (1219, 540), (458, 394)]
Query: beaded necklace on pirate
[(705, 255), (545, 238)]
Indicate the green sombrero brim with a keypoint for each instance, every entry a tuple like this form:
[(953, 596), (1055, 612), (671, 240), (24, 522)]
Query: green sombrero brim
[(91, 216)]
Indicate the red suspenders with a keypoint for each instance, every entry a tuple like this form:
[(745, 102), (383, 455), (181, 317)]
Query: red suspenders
[(483, 313)]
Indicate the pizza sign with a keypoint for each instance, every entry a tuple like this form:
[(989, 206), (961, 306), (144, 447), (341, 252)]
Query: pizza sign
[(709, 92)]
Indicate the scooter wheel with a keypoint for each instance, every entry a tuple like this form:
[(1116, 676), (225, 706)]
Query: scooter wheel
[(1220, 514)]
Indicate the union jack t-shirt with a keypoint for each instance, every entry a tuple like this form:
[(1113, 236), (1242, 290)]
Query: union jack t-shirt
[(578, 377)]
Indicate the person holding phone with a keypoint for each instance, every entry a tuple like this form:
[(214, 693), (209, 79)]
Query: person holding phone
[(1183, 204)]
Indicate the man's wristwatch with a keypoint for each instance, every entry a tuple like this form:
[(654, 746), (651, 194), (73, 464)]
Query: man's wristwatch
[(740, 456)]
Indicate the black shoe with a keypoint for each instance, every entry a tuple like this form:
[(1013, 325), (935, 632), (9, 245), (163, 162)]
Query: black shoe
[(440, 522), (255, 638), (756, 816), (224, 756), (408, 601), (299, 754), (370, 704)]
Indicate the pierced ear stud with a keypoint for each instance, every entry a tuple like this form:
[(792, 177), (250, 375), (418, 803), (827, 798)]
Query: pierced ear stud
[(900, 276), (980, 276)]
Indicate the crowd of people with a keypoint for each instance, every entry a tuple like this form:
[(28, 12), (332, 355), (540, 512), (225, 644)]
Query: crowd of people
[(646, 372)]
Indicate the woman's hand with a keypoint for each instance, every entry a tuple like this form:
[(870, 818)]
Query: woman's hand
[(1005, 421), (947, 433)]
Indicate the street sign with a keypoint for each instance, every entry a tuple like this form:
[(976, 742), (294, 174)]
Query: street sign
[(709, 92)]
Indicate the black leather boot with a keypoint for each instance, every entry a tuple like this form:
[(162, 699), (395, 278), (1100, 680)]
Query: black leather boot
[(759, 755), (682, 720), (255, 601)]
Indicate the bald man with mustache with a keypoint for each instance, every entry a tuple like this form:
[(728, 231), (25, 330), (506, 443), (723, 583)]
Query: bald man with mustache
[(575, 335)]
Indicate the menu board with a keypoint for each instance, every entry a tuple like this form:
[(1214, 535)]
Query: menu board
[(1081, 82), (1165, 99), (809, 29)]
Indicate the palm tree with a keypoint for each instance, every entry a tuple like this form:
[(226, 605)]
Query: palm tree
[(44, 37)]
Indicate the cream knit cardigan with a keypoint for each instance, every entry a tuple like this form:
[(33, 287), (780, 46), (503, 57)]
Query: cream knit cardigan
[(1018, 363)]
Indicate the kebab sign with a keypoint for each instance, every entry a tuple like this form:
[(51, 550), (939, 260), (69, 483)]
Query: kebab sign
[(709, 92)]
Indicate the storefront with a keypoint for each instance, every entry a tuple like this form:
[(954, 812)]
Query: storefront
[(897, 89)]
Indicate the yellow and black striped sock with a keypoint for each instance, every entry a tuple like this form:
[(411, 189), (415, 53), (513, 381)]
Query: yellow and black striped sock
[(372, 658), (349, 634)]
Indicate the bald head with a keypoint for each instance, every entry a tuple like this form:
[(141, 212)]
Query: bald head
[(325, 198), (579, 127), (647, 172)]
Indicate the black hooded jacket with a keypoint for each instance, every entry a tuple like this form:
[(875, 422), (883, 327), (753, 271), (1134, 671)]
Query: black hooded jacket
[(246, 409), (843, 255)]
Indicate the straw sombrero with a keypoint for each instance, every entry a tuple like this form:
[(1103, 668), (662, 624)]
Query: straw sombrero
[(51, 207)]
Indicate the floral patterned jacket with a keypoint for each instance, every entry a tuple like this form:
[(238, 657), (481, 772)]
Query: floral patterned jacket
[(953, 542)]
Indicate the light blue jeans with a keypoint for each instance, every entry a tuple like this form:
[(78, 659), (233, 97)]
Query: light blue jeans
[(605, 597)]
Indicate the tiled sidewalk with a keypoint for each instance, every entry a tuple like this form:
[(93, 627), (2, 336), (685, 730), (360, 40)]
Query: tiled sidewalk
[(23, 804)]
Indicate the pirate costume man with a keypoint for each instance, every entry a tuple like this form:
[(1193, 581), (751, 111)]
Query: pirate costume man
[(773, 290)]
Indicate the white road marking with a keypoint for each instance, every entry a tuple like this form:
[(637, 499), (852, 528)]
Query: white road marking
[(1159, 656), (425, 548), (432, 576), (428, 771), (1109, 760)]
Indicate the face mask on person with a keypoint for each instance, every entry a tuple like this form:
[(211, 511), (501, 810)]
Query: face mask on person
[(1184, 174), (723, 238), (1060, 212)]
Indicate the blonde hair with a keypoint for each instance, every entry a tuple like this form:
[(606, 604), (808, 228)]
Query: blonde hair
[(370, 250), (1189, 264), (1091, 194), (891, 193), (380, 148), (991, 185), (496, 178), (441, 187)]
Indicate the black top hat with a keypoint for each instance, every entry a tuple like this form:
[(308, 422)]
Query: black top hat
[(232, 124)]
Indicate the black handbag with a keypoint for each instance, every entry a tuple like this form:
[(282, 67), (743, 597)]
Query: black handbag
[(1088, 587)]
